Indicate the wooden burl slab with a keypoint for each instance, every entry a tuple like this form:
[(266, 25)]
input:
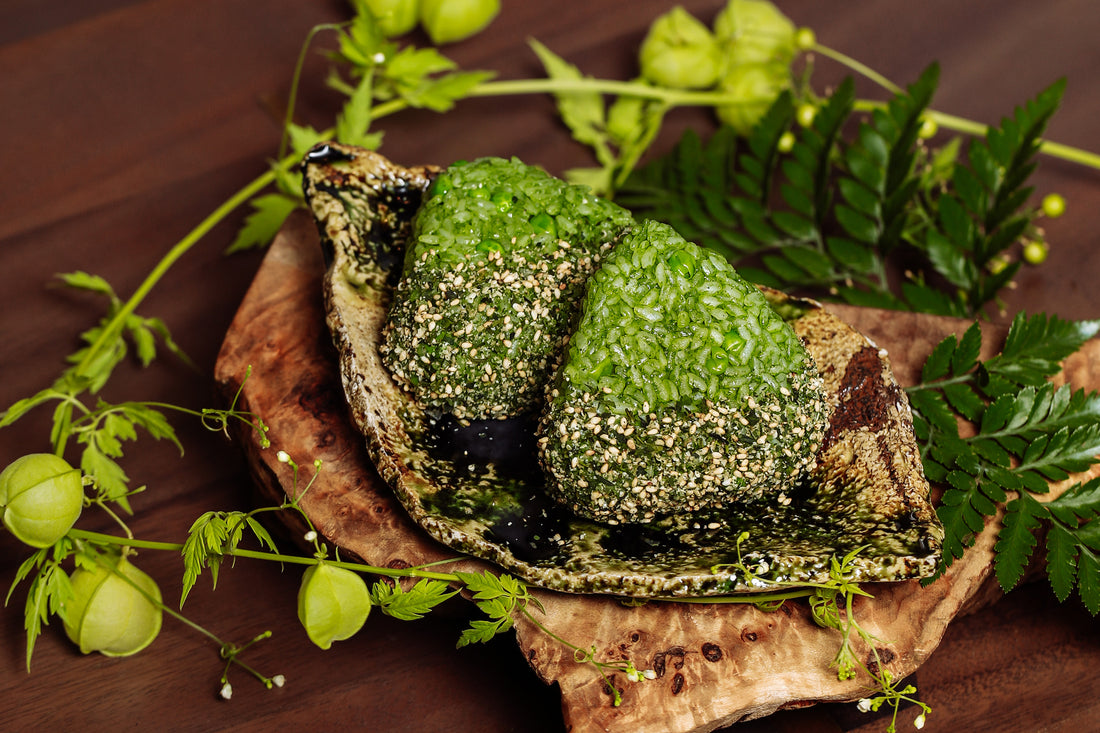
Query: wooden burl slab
[(713, 664)]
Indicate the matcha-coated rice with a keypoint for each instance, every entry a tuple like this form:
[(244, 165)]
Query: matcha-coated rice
[(681, 389), (493, 276)]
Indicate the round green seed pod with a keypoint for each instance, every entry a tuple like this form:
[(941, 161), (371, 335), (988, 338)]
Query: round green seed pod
[(680, 52), (754, 88), (333, 603), (41, 496), (449, 21), (394, 17), (756, 32), (107, 614)]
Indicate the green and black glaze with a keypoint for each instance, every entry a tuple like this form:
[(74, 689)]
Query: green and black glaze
[(476, 487), (496, 263)]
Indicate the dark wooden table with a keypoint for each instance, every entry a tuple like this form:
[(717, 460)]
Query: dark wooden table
[(125, 122)]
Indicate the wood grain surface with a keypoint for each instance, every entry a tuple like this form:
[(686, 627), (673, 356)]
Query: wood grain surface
[(126, 122)]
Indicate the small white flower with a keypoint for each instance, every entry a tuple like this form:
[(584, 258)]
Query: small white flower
[(919, 722), (283, 456), (278, 680), (864, 705), (649, 674), (379, 58), (226, 691), (634, 675), (310, 536)]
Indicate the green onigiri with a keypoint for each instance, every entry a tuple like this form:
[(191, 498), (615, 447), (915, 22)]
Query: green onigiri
[(681, 389), (493, 276)]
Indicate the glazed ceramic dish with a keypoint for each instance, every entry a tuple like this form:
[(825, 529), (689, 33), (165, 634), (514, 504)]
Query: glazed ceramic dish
[(478, 488)]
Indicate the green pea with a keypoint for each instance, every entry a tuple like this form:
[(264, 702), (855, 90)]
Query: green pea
[(717, 361), (682, 262), (441, 185), (489, 245), (602, 369), (502, 198), (733, 342), (543, 222)]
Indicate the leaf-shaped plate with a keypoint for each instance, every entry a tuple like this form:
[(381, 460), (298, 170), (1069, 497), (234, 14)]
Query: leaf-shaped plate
[(477, 487)]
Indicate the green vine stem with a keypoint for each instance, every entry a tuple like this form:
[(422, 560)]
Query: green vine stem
[(414, 572), (948, 121), (111, 331), (858, 67)]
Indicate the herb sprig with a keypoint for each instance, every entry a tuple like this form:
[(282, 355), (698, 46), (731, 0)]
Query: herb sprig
[(1025, 433), (832, 606)]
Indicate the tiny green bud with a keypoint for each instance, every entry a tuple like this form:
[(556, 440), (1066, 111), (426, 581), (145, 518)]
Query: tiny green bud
[(754, 87), (755, 32), (543, 222), (805, 39), (1054, 205), (679, 52), (108, 614), (41, 497), (333, 603), (805, 114), (394, 17), (996, 264), (1035, 252), (449, 21), (928, 128), (785, 144)]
